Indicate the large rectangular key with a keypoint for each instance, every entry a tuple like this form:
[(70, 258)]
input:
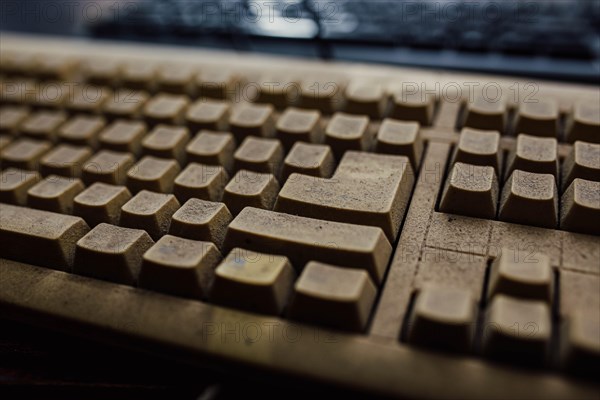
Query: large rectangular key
[(304, 239), (39, 237)]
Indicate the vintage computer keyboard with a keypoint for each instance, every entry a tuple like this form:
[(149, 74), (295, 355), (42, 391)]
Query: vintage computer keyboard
[(386, 230)]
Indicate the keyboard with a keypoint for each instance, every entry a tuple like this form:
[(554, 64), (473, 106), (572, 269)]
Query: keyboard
[(385, 230)]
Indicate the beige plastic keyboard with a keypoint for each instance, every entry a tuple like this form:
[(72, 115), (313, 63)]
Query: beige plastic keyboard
[(393, 231)]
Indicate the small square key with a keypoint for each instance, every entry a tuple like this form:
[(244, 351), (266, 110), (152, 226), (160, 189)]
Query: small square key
[(201, 220), (107, 166), (181, 267), (471, 190), (253, 281), (296, 125), (208, 114), (479, 147), (252, 119), (11, 118), (309, 159), (139, 75), (200, 181), (584, 123), (486, 114), (149, 211), (583, 162), (325, 94), (212, 148), (154, 174), (413, 106), (54, 193), (125, 103), (100, 203), (580, 343), (333, 296), (167, 142), (165, 108), (366, 99), (50, 95), (65, 160), (444, 318), (580, 207), (14, 184), (250, 189), (347, 132), (88, 99), (401, 138), (260, 155), (527, 277), (112, 253), (102, 71), (534, 154), (123, 135), (82, 130), (43, 125), (24, 154), (530, 199), (538, 119), (176, 79), (19, 91), (217, 83)]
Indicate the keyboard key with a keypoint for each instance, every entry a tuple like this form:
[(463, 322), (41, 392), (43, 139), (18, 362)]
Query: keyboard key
[(167, 142), (180, 267), (65, 160), (252, 119), (43, 125), (309, 159), (201, 220), (49, 66), (125, 136), (102, 71), (444, 318), (107, 166), (125, 103), (538, 119), (517, 330), (88, 99), (527, 277), (218, 83), (583, 162), (417, 107), (485, 114), (208, 114), (275, 89), (333, 296), (4, 141), (581, 343), (24, 154), (11, 118), (401, 138), (14, 184), (100, 203), (367, 189), (580, 207), (54, 193), (347, 132), (50, 95), (478, 147), (82, 130), (19, 91), (534, 154), (200, 181), (322, 93), (296, 125), (304, 239), (176, 79), (250, 189), (584, 123), (165, 109), (154, 174), (530, 199), (139, 75), (149, 211), (40, 237), (212, 148), (260, 155), (366, 99), (253, 281), (112, 253)]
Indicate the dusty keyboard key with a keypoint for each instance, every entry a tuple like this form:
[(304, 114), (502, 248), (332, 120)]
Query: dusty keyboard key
[(4, 141), (470, 190), (43, 125), (177, 79), (165, 109), (112, 253), (107, 166), (180, 267), (309, 159), (583, 162), (167, 142), (252, 119), (154, 174), (534, 154), (24, 154), (415, 106), (253, 281), (139, 75), (208, 114), (201, 220), (218, 84), (40, 237), (366, 99), (304, 239), (123, 135), (402, 138), (149, 211), (101, 202), (443, 317), (102, 71), (485, 114), (65, 160), (275, 89), (580, 347), (530, 199), (49, 66), (580, 207), (260, 155), (212, 148), (478, 147), (517, 330), (584, 123), (333, 296), (125, 103), (528, 277), (54, 193), (538, 119), (11, 117), (322, 93), (14, 184), (82, 130), (250, 189), (88, 99), (200, 181), (296, 125), (347, 132)]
